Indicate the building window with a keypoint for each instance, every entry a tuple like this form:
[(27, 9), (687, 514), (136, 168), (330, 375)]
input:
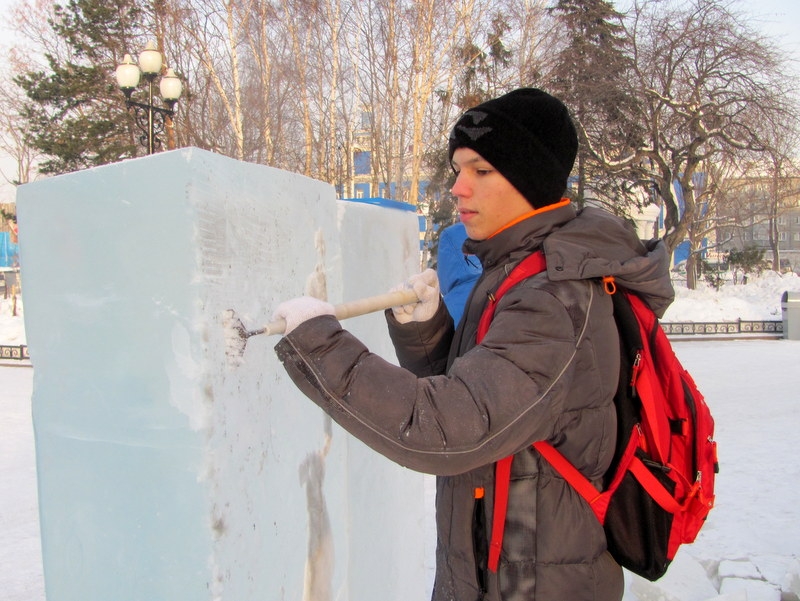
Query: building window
[(366, 119), (782, 237), (362, 162)]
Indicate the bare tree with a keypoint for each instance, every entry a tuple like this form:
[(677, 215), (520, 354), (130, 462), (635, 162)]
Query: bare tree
[(264, 57), (722, 213), (303, 84), (438, 26), (381, 71), (783, 189), (213, 31), (704, 78), (779, 166), (13, 141)]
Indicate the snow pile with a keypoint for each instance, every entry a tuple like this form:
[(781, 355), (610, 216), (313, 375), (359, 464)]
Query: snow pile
[(12, 329), (759, 299), (762, 578)]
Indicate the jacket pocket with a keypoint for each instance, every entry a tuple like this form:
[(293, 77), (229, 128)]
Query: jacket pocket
[(480, 540)]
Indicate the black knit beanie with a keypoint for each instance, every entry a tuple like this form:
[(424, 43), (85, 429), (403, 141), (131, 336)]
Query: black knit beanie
[(528, 136)]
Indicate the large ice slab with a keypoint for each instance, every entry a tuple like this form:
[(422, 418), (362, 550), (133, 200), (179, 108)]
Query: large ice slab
[(165, 472)]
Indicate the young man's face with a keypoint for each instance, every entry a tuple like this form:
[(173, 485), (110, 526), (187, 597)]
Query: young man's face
[(486, 200)]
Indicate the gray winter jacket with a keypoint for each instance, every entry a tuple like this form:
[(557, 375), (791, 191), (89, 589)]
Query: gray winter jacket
[(547, 369)]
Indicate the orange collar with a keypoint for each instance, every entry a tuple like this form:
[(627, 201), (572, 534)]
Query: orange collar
[(562, 203)]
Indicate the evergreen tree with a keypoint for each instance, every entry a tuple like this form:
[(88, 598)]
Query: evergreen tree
[(747, 260), (76, 115), (590, 76)]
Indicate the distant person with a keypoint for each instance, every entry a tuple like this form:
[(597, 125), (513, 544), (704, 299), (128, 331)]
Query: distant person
[(457, 270), (547, 368), (13, 229)]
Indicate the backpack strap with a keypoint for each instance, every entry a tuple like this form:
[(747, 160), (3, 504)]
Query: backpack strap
[(650, 393), (569, 472), (529, 266), (598, 501), (502, 482), (656, 489)]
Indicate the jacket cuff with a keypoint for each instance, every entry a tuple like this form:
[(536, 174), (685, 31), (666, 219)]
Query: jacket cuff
[(422, 347)]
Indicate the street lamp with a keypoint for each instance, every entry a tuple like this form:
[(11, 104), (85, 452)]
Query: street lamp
[(158, 119)]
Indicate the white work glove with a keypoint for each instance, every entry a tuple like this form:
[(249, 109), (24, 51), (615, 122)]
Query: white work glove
[(296, 311), (426, 287)]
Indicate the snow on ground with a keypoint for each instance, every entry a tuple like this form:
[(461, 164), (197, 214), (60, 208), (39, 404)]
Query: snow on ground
[(12, 329), (751, 541), (20, 550), (749, 549), (760, 299)]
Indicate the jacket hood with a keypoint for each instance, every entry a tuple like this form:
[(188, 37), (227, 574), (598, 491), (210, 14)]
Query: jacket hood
[(588, 244)]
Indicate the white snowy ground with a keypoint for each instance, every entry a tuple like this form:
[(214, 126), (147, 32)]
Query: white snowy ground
[(749, 549)]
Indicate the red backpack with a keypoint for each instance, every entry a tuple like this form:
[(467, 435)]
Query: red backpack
[(660, 486)]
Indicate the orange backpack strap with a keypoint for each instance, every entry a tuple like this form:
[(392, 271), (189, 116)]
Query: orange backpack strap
[(655, 488), (502, 481), (569, 472), (529, 266)]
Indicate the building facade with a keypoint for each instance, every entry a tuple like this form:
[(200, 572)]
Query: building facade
[(753, 207)]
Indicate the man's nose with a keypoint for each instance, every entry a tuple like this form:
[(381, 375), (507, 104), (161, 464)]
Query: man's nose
[(460, 187)]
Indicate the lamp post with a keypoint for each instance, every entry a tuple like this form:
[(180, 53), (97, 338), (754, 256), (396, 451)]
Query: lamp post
[(149, 118)]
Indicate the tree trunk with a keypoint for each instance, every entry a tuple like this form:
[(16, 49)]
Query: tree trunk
[(691, 270)]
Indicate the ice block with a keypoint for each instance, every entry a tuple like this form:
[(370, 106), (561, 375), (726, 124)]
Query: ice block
[(164, 472)]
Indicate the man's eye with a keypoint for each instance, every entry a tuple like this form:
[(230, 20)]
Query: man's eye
[(483, 171)]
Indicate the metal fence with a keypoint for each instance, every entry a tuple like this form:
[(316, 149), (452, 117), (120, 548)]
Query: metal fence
[(18, 352), (683, 330), (743, 328)]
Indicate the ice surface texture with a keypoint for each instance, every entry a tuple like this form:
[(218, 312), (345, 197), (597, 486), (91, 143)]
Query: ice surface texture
[(164, 473)]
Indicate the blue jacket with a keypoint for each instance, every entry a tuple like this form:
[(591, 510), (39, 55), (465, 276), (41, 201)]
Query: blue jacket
[(457, 271)]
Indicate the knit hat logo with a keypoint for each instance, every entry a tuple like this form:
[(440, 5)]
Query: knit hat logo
[(474, 132), (528, 136)]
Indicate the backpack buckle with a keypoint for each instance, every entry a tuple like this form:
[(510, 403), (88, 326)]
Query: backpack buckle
[(609, 284)]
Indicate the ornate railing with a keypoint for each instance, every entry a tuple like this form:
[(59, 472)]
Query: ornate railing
[(741, 327), (18, 352)]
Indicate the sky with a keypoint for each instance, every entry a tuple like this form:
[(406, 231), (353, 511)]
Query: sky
[(780, 18)]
